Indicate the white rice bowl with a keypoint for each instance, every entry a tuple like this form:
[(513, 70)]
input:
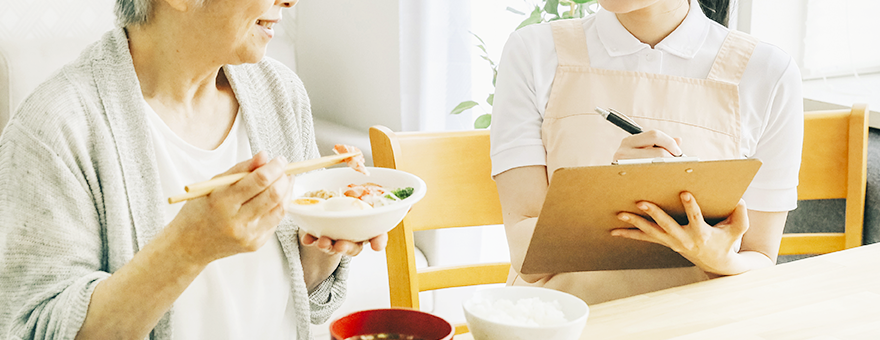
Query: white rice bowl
[(521, 313)]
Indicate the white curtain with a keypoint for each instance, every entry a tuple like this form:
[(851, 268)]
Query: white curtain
[(435, 64), (841, 38)]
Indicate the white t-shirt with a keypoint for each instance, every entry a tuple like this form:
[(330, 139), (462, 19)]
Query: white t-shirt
[(771, 102), (244, 296)]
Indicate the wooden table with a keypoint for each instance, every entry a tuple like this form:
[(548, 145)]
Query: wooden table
[(828, 297)]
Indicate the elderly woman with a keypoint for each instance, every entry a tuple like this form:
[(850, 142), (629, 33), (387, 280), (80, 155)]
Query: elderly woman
[(180, 93)]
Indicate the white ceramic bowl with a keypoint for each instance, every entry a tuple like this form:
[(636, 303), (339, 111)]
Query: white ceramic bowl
[(357, 225), (482, 328)]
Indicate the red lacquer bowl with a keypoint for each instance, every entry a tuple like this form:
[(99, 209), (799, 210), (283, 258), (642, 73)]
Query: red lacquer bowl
[(417, 324)]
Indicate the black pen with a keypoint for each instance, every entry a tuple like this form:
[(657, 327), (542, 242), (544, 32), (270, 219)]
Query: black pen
[(619, 119), (623, 122)]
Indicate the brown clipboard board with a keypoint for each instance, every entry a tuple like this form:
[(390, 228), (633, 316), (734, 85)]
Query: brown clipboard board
[(572, 233)]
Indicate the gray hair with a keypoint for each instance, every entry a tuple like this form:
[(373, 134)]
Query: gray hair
[(132, 12), (137, 12)]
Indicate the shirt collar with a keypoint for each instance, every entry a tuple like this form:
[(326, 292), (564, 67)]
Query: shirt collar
[(683, 42)]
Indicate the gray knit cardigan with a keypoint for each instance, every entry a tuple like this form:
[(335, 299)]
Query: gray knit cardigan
[(80, 194)]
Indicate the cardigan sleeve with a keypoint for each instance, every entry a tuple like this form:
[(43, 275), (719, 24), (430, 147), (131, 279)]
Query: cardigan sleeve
[(292, 116), (330, 294), (53, 241)]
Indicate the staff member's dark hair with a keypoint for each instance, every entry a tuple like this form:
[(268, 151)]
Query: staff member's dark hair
[(718, 10)]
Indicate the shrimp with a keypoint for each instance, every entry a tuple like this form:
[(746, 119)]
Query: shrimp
[(366, 189), (355, 162)]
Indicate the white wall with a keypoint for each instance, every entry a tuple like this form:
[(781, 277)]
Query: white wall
[(781, 23), (827, 38), (348, 55), (37, 37)]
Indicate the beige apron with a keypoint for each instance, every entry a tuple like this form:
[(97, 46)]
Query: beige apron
[(704, 112)]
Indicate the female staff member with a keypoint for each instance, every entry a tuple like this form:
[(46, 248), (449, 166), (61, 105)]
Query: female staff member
[(720, 93), (178, 93)]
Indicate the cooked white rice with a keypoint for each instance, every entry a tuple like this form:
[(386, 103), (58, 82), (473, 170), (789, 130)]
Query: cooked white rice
[(523, 312)]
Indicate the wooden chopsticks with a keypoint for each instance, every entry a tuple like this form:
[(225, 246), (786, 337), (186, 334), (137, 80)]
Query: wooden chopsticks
[(200, 189)]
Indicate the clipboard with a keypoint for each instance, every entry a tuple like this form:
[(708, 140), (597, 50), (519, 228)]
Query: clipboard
[(572, 233)]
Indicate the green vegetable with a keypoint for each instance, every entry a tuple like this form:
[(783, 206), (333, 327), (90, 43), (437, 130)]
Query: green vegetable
[(403, 193)]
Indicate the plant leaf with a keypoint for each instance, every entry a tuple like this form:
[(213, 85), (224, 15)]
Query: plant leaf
[(486, 58), (483, 121), (481, 39), (463, 106), (482, 44), (534, 18), (582, 1), (514, 10), (491, 99), (552, 7), (483, 48)]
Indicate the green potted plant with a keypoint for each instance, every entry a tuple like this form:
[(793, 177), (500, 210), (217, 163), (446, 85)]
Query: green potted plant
[(549, 11)]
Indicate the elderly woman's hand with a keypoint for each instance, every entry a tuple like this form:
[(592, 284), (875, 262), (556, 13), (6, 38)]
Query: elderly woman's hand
[(237, 218), (648, 144), (344, 247)]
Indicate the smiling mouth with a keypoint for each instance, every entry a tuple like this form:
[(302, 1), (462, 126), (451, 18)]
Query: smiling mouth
[(266, 24)]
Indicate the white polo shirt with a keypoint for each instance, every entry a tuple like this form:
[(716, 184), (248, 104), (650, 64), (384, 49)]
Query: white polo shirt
[(771, 102)]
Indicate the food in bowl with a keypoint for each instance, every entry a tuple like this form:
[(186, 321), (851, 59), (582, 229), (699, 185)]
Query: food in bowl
[(322, 208), (525, 313), (356, 162), (353, 197)]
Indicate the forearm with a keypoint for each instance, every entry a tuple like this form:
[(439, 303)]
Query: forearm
[(317, 265), (129, 303), (519, 235), (521, 191)]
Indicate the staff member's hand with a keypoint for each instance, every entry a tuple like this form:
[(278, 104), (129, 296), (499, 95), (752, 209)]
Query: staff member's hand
[(711, 248), (648, 144)]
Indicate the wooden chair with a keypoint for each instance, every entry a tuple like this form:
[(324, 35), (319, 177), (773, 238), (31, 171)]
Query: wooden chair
[(834, 165), (461, 193)]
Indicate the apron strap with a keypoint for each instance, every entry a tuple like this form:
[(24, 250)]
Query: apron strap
[(571, 42), (732, 58)]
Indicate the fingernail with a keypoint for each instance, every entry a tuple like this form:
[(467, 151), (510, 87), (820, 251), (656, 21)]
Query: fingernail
[(643, 206), (623, 217), (615, 233), (283, 159), (686, 197)]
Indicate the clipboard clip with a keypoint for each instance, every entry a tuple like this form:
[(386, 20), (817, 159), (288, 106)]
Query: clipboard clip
[(655, 160)]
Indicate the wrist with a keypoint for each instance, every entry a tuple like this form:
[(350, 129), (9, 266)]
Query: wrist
[(187, 253), (732, 264)]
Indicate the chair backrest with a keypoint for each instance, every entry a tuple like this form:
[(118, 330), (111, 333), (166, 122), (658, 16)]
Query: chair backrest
[(833, 166), (461, 193)]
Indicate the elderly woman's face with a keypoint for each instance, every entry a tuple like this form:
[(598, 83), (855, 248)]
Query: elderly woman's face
[(242, 28)]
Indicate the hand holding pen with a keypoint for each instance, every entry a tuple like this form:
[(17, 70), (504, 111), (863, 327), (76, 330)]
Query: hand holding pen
[(659, 139)]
